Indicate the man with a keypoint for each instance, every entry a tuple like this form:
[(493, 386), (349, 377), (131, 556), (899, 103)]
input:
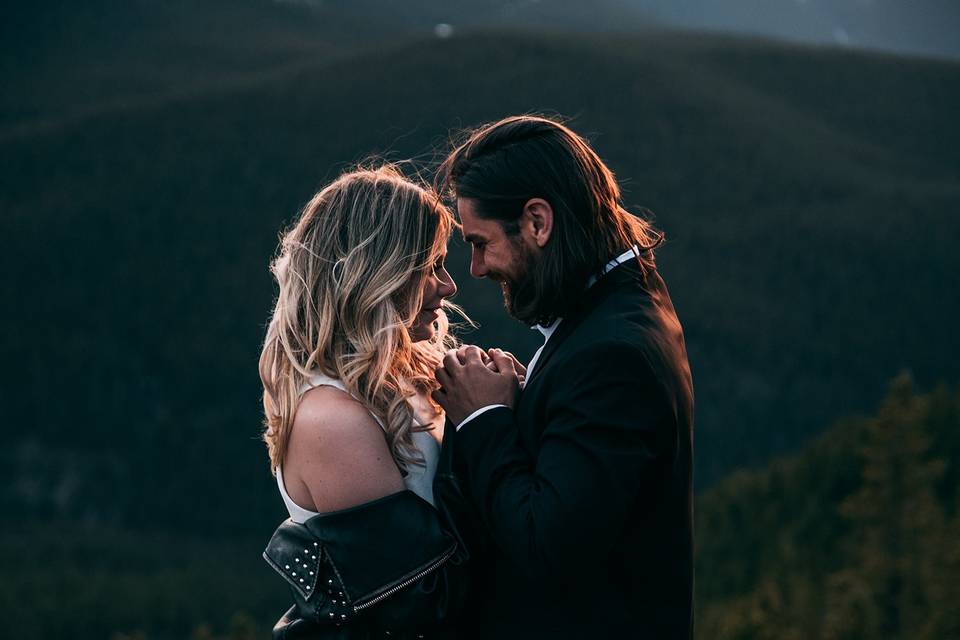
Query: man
[(582, 479)]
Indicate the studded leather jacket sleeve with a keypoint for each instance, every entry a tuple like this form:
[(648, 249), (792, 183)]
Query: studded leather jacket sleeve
[(391, 568)]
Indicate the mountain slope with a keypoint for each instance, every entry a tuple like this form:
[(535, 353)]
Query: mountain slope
[(63, 61), (809, 253), (855, 537)]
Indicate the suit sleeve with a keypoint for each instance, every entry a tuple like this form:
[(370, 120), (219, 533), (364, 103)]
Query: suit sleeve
[(608, 423)]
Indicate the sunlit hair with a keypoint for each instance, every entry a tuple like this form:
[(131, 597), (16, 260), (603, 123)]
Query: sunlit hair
[(502, 165), (351, 273)]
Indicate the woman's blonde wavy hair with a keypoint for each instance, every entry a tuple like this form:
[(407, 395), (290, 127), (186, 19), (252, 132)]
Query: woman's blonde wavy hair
[(351, 273)]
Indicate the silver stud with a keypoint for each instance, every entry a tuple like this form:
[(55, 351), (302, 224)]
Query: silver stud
[(286, 566), (311, 573), (308, 587), (297, 560), (330, 581), (301, 579), (343, 616), (332, 614), (313, 557), (294, 572), (305, 551), (333, 602), (315, 544)]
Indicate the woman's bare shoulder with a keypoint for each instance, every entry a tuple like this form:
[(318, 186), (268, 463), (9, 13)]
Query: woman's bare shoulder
[(328, 410), (338, 452)]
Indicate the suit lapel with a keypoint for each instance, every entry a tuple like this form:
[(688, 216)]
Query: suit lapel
[(617, 277), (445, 460)]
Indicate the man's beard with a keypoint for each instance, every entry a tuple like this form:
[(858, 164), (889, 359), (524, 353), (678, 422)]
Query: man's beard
[(520, 293)]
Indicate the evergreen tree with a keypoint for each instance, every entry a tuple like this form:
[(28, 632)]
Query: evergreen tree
[(886, 592), (856, 538)]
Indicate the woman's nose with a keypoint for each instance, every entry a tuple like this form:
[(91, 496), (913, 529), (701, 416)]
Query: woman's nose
[(448, 287)]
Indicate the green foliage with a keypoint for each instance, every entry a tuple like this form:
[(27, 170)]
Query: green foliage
[(242, 627), (808, 198), (852, 539), (63, 580), (797, 229)]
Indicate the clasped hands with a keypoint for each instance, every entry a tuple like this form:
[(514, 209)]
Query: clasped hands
[(471, 378)]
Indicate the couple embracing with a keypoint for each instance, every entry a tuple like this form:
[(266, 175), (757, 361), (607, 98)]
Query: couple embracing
[(440, 490)]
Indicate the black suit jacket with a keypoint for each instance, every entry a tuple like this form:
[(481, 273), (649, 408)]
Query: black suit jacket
[(584, 489)]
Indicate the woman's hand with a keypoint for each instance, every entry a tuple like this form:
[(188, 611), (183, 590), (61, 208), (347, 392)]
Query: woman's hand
[(487, 357)]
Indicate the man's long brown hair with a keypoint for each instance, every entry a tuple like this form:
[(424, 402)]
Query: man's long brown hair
[(501, 166)]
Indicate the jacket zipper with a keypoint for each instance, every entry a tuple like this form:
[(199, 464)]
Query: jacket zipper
[(433, 566)]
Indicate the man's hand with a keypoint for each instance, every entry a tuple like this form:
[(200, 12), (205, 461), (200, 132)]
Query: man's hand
[(487, 358), (470, 379), (518, 366)]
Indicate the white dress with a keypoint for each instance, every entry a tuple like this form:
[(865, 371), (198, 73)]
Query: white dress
[(419, 479)]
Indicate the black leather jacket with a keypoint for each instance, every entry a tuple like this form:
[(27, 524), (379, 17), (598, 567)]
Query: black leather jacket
[(391, 568)]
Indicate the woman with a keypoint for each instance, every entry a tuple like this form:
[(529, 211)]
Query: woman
[(353, 436)]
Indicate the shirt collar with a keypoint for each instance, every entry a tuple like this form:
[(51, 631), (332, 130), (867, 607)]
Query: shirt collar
[(620, 259), (548, 330)]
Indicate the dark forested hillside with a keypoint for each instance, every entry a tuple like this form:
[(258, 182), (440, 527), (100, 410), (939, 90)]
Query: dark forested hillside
[(857, 537), (63, 61), (810, 248), (150, 154)]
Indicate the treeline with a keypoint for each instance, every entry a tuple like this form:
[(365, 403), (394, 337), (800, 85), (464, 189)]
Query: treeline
[(138, 245), (856, 538)]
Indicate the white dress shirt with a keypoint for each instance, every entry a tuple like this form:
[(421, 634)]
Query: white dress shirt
[(549, 329)]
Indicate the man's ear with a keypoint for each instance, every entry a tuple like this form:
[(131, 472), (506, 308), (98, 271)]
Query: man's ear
[(536, 222)]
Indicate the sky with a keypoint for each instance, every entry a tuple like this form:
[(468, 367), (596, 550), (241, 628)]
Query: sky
[(924, 27)]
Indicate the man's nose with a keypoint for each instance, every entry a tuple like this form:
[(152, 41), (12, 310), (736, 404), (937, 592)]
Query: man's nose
[(477, 268)]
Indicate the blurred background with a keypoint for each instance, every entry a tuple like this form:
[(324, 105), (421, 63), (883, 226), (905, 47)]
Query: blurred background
[(801, 156)]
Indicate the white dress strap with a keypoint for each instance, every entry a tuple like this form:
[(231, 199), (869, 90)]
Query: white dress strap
[(318, 379), (297, 513)]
